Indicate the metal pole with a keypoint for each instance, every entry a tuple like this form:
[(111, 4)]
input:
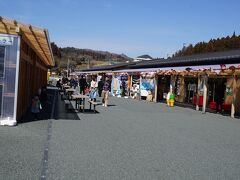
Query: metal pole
[(88, 63), (67, 67)]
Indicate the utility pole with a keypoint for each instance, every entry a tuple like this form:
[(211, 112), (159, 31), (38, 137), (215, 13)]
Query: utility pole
[(109, 59), (67, 67), (88, 63)]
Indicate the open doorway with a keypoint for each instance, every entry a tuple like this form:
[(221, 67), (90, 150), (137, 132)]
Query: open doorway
[(163, 86), (190, 89)]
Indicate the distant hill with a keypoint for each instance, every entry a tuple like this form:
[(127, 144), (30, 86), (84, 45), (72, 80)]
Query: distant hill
[(81, 58), (213, 45)]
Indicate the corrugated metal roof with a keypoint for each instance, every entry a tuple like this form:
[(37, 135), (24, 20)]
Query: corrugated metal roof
[(109, 67), (225, 57)]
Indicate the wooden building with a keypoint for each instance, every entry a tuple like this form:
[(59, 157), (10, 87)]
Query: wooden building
[(25, 57)]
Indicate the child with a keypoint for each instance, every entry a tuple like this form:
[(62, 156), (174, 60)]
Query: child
[(94, 86), (36, 106)]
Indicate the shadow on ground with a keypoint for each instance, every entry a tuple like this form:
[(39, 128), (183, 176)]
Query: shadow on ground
[(59, 111)]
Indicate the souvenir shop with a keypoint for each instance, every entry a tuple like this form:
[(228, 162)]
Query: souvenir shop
[(201, 84)]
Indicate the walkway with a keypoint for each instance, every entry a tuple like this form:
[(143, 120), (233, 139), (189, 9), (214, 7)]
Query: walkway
[(128, 140)]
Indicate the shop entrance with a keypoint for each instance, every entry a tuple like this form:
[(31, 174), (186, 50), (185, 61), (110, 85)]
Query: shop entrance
[(216, 92), (163, 87), (190, 89)]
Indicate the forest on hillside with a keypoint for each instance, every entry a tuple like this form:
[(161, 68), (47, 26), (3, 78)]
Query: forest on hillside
[(214, 45), (84, 58)]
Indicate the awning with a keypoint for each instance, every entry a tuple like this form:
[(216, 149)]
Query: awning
[(37, 38)]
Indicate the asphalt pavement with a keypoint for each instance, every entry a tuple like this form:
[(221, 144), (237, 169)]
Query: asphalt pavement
[(130, 139)]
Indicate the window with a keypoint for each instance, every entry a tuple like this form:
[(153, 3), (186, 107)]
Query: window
[(2, 55)]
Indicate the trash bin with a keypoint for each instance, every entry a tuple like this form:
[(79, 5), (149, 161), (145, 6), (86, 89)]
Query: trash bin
[(171, 100)]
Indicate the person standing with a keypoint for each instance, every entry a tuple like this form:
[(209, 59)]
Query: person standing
[(58, 84), (82, 84), (100, 87), (105, 92), (220, 96), (36, 106)]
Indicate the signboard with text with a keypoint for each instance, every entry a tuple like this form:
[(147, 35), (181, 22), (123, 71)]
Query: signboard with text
[(6, 41)]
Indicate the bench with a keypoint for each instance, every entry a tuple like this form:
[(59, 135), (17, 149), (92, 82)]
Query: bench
[(79, 106), (94, 105), (67, 104)]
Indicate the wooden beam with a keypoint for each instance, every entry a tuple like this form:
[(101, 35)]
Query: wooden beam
[(49, 61), (198, 92), (41, 40), (205, 79), (155, 87)]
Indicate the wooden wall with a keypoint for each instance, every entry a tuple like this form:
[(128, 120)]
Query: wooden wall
[(32, 76)]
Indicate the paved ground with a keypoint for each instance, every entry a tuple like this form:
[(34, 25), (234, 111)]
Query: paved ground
[(128, 140)]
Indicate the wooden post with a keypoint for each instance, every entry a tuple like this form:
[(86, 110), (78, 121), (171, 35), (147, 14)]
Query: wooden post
[(198, 92), (155, 87), (205, 78), (234, 89), (129, 84), (173, 80)]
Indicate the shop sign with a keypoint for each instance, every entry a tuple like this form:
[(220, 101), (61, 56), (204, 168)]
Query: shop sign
[(178, 86), (6, 41)]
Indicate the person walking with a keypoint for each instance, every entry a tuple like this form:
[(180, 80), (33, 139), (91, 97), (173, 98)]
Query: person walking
[(93, 89), (105, 92), (82, 84), (100, 87)]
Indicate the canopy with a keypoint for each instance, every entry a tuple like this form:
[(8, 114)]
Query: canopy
[(37, 38)]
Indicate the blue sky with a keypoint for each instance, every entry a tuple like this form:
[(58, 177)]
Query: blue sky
[(132, 27)]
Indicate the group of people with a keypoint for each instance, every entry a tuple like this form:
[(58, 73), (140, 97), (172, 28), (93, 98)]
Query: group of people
[(101, 87)]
